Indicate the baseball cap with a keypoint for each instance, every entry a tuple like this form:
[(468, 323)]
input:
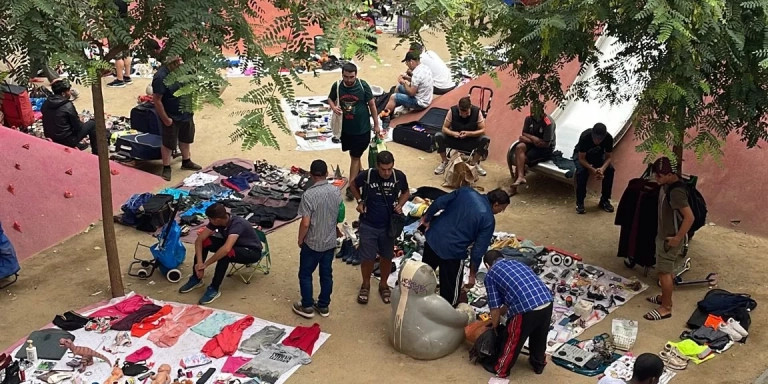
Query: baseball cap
[(411, 56), (599, 131), (318, 168), (663, 166)]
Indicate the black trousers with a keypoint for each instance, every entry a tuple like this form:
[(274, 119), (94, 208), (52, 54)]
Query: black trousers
[(469, 144), (532, 326), (239, 255), (86, 129), (582, 177), (451, 274)]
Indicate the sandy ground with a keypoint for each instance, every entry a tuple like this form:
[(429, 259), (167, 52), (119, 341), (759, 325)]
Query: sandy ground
[(73, 274)]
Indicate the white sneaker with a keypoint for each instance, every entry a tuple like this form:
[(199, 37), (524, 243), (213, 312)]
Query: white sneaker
[(441, 168), (480, 170), (732, 333), (736, 326)]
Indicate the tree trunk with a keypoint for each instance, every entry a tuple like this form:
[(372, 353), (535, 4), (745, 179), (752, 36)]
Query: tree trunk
[(678, 151), (105, 178)]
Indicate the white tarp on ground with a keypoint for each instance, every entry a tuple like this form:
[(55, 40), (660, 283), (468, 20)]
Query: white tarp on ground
[(189, 344)]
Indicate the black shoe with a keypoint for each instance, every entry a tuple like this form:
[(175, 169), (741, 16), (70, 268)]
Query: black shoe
[(580, 209), (350, 196), (345, 250), (336, 140), (605, 205), (127, 80), (166, 173), (116, 84), (190, 165), (489, 366), (537, 368)]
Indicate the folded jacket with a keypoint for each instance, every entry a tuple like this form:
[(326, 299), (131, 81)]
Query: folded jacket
[(127, 322)]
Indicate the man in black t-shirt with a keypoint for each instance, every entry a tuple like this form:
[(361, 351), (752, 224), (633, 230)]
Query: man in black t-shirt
[(380, 193), (592, 156), (232, 239), (536, 143)]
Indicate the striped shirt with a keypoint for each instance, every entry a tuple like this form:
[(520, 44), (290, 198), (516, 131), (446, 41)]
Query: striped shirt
[(321, 203), (515, 284)]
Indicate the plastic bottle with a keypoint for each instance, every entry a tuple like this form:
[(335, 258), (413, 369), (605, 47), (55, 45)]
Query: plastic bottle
[(31, 351)]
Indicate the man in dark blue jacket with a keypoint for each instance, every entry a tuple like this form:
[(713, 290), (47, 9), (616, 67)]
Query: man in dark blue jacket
[(465, 219)]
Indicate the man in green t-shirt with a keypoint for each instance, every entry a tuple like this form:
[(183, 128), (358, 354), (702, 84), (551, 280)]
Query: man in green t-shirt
[(356, 104)]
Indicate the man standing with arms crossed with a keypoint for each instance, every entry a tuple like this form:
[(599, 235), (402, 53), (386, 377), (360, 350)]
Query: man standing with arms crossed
[(319, 210), (675, 219), (356, 105), (178, 126)]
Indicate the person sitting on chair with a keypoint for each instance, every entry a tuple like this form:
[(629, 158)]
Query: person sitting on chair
[(536, 144), (232, 239), (414, 92), (463, 130), (61, 122), (593, 157)]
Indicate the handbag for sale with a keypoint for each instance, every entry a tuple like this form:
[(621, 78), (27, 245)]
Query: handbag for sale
[(134, 369), (459, 172)]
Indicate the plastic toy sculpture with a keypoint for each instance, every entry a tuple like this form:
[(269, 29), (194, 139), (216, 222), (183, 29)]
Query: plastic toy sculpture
[(85, 353), (423, 325), (163, 375)]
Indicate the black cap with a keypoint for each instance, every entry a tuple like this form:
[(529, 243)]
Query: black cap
[(663, 166), (411, 56), (599, 131), (318, 168)]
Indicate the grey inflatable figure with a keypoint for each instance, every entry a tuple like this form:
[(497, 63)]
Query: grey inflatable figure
[(423, 326)]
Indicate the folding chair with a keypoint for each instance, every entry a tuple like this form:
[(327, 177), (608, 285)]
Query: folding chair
[(483, 96), (246, 271)]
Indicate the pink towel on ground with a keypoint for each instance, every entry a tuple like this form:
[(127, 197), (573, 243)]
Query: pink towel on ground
[(179, 321), (123, 308)]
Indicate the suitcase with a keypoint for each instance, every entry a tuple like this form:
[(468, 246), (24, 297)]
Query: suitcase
[(154, 213), (144, 119), (421, 134), (143, 146)]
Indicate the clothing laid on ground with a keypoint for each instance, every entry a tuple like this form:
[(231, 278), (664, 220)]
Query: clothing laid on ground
[(226, 342), (441, 74), (123, 308), (671, 200), (62, 124), (353, 101), (247, 236), (451, 274), (69, 321), (303, 338), (230, 169), (380, 195), (422, 80), (212, 325), (715, 339), (233, 364), (140, 314), (466, 219), (514, 284), (532, 326), (179, 321), (267, 335), (152, 322), (273, 360), (321, 204), (171, 103), (611, 380), (692, 350)]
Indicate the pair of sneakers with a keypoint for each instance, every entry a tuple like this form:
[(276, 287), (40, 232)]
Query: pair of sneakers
[(188, 165), (116, 83), (733, 329), (309, 312), (194, 282), (605, 205)]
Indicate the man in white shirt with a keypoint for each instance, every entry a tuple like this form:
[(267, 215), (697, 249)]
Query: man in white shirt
[(441, 74), (413, 93)]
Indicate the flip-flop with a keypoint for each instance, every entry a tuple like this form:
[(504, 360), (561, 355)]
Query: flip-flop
[(362, 296), (655, 315), (385, 294), (654, 299)]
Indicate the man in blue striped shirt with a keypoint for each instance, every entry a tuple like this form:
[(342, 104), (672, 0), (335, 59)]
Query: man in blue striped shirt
[(513, 287)]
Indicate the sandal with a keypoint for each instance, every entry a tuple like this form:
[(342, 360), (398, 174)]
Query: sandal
[(385, 294), (362, 296), (655, 315), (654, 299)]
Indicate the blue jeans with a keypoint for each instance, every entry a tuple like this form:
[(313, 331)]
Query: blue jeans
[(309, 260), (404, 99)]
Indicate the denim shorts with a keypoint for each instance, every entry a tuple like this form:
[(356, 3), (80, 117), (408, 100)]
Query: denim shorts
[(406, 101), (375, 241)]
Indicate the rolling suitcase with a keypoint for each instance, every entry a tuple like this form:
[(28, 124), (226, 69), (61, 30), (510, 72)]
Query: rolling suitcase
[(144, 119), (421, 134), (143, 146)]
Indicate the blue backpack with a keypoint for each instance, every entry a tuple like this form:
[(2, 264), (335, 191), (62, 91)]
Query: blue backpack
[(131, 207)]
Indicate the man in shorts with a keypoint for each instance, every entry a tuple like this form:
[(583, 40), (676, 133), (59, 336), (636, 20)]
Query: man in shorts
[(379, 192), (357, 105), (414, 91), (124, 60), (178, 125), (536, 144), (675, 219)]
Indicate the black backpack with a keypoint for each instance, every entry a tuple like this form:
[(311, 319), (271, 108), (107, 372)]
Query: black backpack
[(696, 202)]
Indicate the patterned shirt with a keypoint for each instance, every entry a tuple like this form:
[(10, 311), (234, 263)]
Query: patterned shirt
[(513, 283), (321, 203)]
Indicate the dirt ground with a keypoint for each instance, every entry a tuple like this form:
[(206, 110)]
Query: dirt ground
[(73, 274)]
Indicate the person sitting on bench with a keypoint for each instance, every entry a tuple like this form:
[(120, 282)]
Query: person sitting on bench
[(463, 130), (593, 157), (61, 123), (441, 74), (536, 144), (413, 93), (232, 239)]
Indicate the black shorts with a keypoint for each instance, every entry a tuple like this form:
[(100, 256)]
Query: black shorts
[(178, 132), (535, 155), (355, 144)]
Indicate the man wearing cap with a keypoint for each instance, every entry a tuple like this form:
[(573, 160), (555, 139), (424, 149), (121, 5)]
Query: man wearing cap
[(675, 219), (178, 125), (592, 156), (413, 93), (319, 210), (61, 123)]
